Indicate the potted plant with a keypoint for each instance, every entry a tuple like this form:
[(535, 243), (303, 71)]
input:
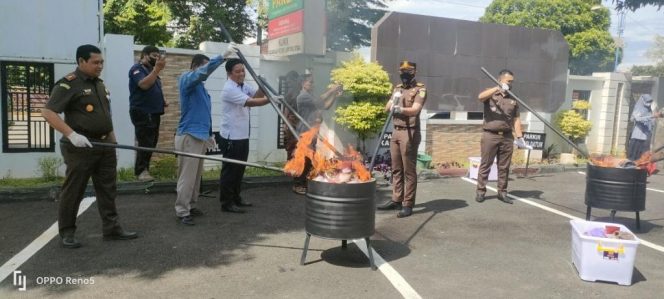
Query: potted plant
[(370, 87), (575, 126)]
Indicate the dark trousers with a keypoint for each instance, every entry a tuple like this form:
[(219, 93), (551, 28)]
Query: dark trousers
[(403, 150), (230, 179), (82, 163), (499, 147), (146, 129), (636, 148)]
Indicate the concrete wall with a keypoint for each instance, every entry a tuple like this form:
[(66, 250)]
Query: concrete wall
[(45, 31)]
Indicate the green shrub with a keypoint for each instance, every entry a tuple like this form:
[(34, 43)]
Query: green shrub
[(126, 174), (48, 167), (165, 168)]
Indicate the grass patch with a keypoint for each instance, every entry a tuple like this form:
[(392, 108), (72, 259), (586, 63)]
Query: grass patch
[(29, 182)]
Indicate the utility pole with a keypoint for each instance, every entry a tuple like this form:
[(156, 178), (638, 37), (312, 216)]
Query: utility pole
[(620, 44)]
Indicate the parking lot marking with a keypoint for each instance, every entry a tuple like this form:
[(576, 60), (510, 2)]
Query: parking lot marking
[(390, 273), (560, 213), (16, 261), (651, 189)]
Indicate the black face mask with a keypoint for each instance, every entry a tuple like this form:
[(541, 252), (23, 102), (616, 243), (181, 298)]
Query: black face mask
[(406, 78), (152, 61)]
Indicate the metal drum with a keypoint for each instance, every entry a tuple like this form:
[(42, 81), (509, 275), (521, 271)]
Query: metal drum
[(616, 189), (341, 211), (620, 189)]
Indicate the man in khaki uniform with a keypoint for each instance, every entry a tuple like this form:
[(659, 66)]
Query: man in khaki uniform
[(501, 125), (85, 101), (407, 101)]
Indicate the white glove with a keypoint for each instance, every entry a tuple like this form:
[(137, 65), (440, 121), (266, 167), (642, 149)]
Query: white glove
[(520, 143), (232, 50), (78, 140), (504, 87), (211, 143), (396, 109), (396, 97)]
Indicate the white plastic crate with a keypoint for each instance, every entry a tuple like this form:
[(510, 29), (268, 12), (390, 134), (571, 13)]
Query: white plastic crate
[(602, 259), (474, 167)]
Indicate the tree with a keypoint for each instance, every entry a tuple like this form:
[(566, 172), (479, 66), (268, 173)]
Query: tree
[(196, 21), (369, 85), (587, 31), (656, 53), (636, 4), (146, 20), (349, 23)]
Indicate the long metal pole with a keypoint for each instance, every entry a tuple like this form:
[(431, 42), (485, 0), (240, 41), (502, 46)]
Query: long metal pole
[(258, 81), (179, 153), (542, 119)]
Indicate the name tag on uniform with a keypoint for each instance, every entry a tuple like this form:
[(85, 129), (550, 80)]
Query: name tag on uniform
[(87, 92)]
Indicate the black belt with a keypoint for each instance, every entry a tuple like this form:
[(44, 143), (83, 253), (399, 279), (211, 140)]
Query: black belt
[(94, 136), (499, 132), (400, 128)]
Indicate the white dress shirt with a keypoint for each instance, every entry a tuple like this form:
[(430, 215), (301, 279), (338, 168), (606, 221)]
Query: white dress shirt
[(234, 114)]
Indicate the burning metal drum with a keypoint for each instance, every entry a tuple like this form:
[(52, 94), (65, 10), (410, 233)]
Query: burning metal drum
[(341, 211), (616, 189)]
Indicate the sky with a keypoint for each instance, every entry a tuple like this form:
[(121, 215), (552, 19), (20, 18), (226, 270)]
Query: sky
[(639, 30)]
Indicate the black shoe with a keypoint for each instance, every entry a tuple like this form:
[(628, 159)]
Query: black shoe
[(479, 197), (186, 220), (196, 212), (405, 212), (123, 235), (502, 196), (391, 205), (242, 203), (232, 208), (70, 242)]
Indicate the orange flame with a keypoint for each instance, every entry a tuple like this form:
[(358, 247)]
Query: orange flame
[(613, 162), (343, 169)]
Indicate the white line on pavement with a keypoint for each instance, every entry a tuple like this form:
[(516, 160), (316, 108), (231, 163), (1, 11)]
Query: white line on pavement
[(651, 189), (11, 265), (392, 275), (552, 210)]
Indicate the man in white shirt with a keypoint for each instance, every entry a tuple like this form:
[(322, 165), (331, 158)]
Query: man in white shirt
[(236, 98)]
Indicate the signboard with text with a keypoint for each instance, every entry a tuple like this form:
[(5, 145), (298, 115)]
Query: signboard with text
[(278, 8), (536, 140), (285, 25), (385, 139), (286, 45)]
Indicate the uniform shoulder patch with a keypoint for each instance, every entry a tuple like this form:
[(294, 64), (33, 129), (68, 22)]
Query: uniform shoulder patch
[(423, 92), (418, 84), (64, 85), (70, 77), (136, 72), (400, 85)]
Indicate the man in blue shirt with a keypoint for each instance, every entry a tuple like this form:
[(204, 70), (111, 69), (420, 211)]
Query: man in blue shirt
[(644, 122), (236, 98), (194, 132), (147, 103)]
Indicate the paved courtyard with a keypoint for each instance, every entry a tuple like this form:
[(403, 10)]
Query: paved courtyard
[(452, 247)]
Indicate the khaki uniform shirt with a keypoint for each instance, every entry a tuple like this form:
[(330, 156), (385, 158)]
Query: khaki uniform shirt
[(85, 101), (409, 96), (499, 113)]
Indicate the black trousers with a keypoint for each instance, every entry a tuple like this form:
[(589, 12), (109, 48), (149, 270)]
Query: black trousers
[(146, 129), (636, 148), (82, 163), (230, 179)]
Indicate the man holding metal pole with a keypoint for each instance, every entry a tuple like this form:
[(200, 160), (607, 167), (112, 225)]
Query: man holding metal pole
[(501, 124), (237, 98), (85, 102), (194, 132), (407, 101)]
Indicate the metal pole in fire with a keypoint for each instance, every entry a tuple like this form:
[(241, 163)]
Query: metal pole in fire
[(542, 119), (258, 81), (292, 110), (179, 153)]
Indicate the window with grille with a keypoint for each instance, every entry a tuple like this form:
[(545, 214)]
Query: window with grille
[(26, 88)]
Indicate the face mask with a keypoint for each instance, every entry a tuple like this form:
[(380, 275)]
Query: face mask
[(406, 78), (152, 61)]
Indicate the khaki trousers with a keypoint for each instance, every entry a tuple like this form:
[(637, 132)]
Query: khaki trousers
[(499, 147), (403, 149), (189, 173)]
